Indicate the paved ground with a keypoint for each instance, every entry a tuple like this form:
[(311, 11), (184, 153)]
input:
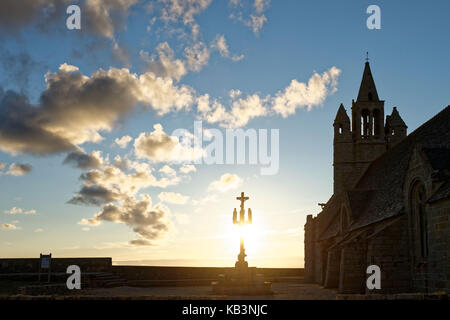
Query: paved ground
[(282, 291)]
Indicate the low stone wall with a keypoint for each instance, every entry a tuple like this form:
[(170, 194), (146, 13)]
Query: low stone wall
[(183, 273), (58, 265)]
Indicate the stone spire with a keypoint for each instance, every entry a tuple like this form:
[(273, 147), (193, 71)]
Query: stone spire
[(367, 90), (341, 124), (341, 115), (396, 128)]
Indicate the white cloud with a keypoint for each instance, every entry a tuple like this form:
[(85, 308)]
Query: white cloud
[(123, 142), (172, 197), (13, 210), (168, 171), (103, 17), (16, 210), (253, 17), (220, 44), (158, 146), (226, 182), (85, 161), (300, 95), (112, 184), (150, 223), (241, 112), (187, 168), (39, 230), (8, 226), (184, 10), (167, 66), (18, 169), (75, 108), (285, 102)]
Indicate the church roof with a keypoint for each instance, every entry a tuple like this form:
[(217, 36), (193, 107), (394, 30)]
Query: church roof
[(378, 195), (386, 175), (439, 158), (367, 90)]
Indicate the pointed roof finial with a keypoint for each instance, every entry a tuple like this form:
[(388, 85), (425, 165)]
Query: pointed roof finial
[(367, 56), (367, 90)]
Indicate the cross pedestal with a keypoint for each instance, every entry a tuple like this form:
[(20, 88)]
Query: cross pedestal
[(242, 280)]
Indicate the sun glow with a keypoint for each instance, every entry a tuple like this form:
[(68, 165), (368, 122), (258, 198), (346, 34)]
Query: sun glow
[(253, 239)]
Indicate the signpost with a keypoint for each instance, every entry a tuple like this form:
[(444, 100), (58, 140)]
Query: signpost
[(45, 265)]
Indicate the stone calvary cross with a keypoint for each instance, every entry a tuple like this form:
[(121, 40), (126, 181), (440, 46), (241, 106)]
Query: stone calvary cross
[(242, 280), (241, 263)]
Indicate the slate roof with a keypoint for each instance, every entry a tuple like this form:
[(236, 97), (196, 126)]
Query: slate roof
[(385, 176), (378, 195), (439, 158)]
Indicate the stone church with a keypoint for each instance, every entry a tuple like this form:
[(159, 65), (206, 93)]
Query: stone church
[(391, 202)]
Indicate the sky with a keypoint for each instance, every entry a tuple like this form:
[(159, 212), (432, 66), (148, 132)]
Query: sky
[(90, 165)]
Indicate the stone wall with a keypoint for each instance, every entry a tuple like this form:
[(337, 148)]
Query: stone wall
[(184, 273), (58, 265), (309, 249), (333, 268), (437, 272), (388, 249), (352, 268)]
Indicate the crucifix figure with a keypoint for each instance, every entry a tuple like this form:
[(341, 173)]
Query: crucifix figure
[(241, 222)]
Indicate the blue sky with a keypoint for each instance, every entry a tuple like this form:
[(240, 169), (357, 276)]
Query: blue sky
[(409, 61)]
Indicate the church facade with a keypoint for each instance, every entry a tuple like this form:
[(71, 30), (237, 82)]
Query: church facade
[(391, 202)]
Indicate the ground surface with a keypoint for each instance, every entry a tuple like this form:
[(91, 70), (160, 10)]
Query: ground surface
[(282, 291)]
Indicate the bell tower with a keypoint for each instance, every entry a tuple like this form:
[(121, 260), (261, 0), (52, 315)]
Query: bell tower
[(355, 148)]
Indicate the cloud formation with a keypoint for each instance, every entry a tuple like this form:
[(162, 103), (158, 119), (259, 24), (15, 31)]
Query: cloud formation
[(123, 142), (158, 146), (252, 17), (104, 17), (182, 12), (226, 182), (83, 160), (8, 226), (15, 210), (164, 64), (285, 102), (100, 17), (18, 169), (300, 95), (75, 108), (110, 183), (150, 223), (187, 168), (172, 197), (16, 15), (220, 44)]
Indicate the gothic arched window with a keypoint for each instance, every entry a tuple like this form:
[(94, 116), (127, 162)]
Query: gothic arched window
[(365, 120), (377, 122), (419, 221)]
